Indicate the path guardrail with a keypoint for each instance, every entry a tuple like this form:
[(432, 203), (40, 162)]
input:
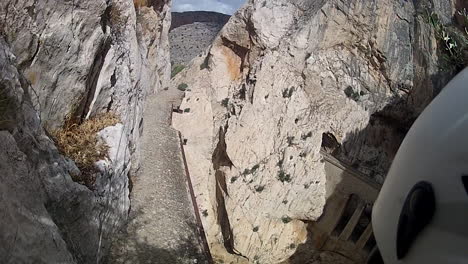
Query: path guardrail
[(201, 230)]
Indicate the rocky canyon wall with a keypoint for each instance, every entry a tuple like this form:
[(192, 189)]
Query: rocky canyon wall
[(284, 81), (186, 18), (192, 32), (62, 63)]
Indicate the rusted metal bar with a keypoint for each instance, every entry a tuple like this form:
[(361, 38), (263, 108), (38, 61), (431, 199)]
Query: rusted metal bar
[(201, 230)]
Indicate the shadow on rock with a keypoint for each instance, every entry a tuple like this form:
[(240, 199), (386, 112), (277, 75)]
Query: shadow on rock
[(355, 171)]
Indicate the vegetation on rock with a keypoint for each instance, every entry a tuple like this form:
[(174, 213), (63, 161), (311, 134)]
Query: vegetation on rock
[(452, 39), (182, 87), (79, 142), (284, 177), (140, 3), (286, 219), (225, 102), (205, 64), (306, 136), (176, 70), (287, 93), (259, 188), (353, 95)]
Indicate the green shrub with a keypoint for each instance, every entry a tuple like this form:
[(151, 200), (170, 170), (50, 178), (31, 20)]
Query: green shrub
[(255, 229), (259, 188), (176, 70), (350, 93), (225, 102), (284, 177), (252, 170), (255, 167), (304, 137), (205, 63), (287, 93), (286, 219), (453, 40), (182, 87)]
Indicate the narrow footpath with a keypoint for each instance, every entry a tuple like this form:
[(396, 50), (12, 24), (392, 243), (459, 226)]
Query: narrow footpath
[(162, 226)]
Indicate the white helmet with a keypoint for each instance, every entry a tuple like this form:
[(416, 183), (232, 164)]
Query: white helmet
[(421, 214)]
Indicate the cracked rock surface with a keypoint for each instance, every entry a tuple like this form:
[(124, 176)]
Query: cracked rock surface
[(192, 32), (284, 80), (67, 61)]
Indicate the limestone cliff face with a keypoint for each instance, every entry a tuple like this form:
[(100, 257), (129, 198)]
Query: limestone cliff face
[(186, 18), (192, 32), (284, 81), (70, 61), (191, 40)]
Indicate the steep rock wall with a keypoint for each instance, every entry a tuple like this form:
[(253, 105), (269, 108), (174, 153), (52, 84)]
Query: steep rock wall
[(186, 18), (66, 61), (285, 80), (191, 40), (192, 32)]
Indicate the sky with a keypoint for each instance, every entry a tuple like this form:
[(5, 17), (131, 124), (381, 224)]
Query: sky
[(221, 6)]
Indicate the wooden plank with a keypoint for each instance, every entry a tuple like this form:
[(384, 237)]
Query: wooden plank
[(361, 243), (352, 222), (337, 212)]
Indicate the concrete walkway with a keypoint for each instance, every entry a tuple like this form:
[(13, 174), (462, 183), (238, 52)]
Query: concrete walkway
[(162, 226)]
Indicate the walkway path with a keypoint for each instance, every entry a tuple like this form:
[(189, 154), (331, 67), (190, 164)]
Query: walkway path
[(163, 226)]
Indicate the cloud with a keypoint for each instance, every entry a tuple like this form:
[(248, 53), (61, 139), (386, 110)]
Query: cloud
[(221, 6)]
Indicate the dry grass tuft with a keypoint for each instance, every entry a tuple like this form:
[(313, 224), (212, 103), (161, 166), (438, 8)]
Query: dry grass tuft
[(140, 3), (117, 19), (79, 143)]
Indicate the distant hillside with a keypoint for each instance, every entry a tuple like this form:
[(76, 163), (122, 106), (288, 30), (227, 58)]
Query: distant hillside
[(192, 32), (185, 18)]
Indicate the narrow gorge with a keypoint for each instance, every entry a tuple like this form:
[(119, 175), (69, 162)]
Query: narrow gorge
[(130, 134)]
